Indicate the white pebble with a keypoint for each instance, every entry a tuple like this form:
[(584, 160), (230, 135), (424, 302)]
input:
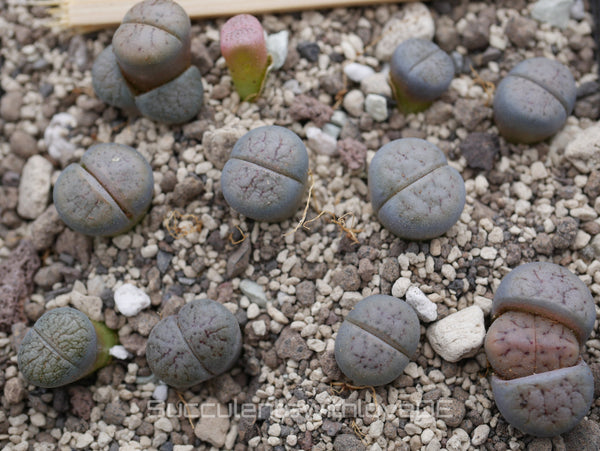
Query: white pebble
[(253, 311), (358, 72), (400, 287), (480, 435), (426, 310), (415, 22), (458, 335), (254, 292), (34, 187), (161, 392), (354, 102), (277, 46), (259, 328), (376, 107), (119, 352), (130, 300), (584, 150), (321, 142)]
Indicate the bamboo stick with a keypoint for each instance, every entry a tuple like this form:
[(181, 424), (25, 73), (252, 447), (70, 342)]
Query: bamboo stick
[(95, 14)]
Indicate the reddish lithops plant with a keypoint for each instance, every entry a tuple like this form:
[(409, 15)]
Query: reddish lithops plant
[(544, 315), (244, 47)]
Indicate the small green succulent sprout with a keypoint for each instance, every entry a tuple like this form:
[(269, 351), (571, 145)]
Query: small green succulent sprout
[(534, 100), (266, 175), (147, 69), (107, 193), (202, 341), (63, 346), (244, 47), (420, 72)]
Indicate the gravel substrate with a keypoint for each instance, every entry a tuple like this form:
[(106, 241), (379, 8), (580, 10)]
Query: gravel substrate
[(290, 289)]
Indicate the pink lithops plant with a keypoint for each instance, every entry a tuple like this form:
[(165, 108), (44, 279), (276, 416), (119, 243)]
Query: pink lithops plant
[(244, 47)]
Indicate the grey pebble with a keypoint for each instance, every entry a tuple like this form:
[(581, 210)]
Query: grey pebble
[(305, 292), (14, 390), (290, 345), (480, 150), (114, 413), (23, 144), (566, 230), (331, 428), (239, 259), (10, 106), (348, 442), (309, 50), (163, 260), (451, 411), (347, 278), (45, 228)]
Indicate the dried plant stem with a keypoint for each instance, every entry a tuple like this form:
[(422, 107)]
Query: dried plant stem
[(86, 15)]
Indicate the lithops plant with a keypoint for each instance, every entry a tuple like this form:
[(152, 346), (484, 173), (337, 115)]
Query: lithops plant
[(266, 174), (414, 193), (64, 345), (544, 314), (377, 340), (202, 341), (534, 100), (107, 193), (244, 47), (420, 72), (147, 69)]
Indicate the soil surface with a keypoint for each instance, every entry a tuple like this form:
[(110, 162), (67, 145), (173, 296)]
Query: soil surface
[(524, 203)]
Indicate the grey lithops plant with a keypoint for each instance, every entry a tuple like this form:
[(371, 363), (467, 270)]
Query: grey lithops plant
[(202, 341), (64, 345), (414, 193), (377, 340), (266, 174), (420, 72), (534, 100), (148, 69), (544, 314), (107, 193)]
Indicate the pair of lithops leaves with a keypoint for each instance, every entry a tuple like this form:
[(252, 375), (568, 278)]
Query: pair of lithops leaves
[(202, 341), (531, 103), (543, 315), (147, 69)]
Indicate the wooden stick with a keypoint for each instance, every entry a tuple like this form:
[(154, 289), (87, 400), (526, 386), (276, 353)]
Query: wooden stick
[(95, 14)]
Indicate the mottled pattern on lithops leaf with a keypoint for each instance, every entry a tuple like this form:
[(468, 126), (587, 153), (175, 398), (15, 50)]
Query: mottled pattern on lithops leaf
[(266, 174), (546, 404), (203, 340), (60, 348), (377, 340), (414, 193), (107, 193), (544, 315), (534, 100), (549, 290), (519, 344)]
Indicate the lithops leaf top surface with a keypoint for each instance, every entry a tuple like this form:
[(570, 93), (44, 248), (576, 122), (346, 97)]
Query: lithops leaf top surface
[(414, 193), (549, 290), (377, 340), (546, 404), (59, 349), (202, 341), (266, 174)]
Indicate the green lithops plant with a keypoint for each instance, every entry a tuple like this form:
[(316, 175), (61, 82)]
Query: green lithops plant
[(244, 47), (148, 69), (202, 341), (107, 193), (64, 345)]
